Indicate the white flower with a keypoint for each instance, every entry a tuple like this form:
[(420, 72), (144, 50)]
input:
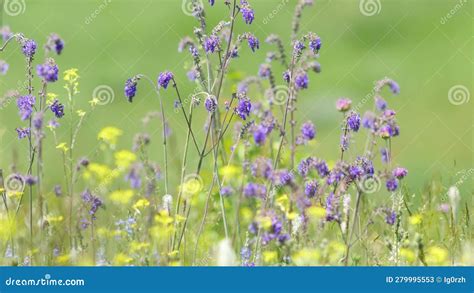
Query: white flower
[(225, 254)]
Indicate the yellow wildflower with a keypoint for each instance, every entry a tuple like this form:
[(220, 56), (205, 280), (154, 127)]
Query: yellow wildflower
[(122, 259), (436, 255), (141, 203), (270, 256), (81, 113), (124, 158), (71, 75), (316, 212), (416, 219), (109, 135), (62, 146), (408, 254), (307, 257), (122, 196)]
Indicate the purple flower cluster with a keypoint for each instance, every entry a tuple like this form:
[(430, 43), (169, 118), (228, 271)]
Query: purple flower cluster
[(93, 202), (243, 108), (57, 108), (255, 190), (25, 106), (130, 89), (48, 71), (164, 79), (247, 12), (29, 48), (211, 43)]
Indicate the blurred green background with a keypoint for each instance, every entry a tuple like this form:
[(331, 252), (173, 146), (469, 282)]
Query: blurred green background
[(425, 45)]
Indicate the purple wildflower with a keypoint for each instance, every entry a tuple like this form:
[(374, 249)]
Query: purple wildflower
[(211, 43), (255, 190), (286, 76), (286, 177), (253, 42), (164, 79), (54, 43), (298, 48), (25, 106), (353, 121), (133, 177), (380, 103), (368, 121), (394, 87), (227, 191), (212, 2), (343, 104), (322, 168), (315, 44), (3, 67), (355, 172), (247, 12), (260, 135), (210, 104), (332, 213), (301, 81), (400, 173), (38, 121), (392, 184), (48, 71), (308, 131), (57, 108), (264, 70), (130, 89), (23, 132), (384, 155), (29, 48), (390, 217), (310, 188), (243, 108), (93, 201)]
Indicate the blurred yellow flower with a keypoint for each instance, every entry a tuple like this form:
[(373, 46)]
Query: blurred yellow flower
[(270, 257), (81, 113), (63, 259), (230, 171), (7, 228), (316, 212), (416, 219), (54, 219), (62, 146), (122, 259), (163, 218), (141, 203), (138, 246), (307, 257), (121, 196), (408, 254), (283, 202), (110, 135), (71, 75), (124, 158), (50, 97), (436, 255), (100, 172)]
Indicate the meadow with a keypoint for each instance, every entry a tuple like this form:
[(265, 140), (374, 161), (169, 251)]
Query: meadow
[(236, 133)]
